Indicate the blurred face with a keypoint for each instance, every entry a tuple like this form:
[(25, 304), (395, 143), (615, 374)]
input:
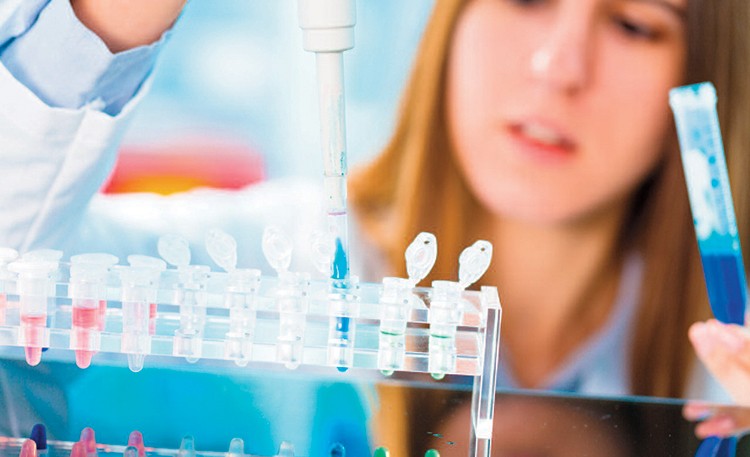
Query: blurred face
[(559, 108)]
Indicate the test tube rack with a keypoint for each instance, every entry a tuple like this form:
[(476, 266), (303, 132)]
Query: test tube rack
[(242, 317)]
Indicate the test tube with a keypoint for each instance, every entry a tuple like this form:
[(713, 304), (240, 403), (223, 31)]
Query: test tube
[(144, 261), (7, 255), (343, 307), (241, 296), (88, 293), (444, 316), (139, 285), (236, 448), (187, 447), (446, 307), (28, 449), (292, 298), (34, 278), (395, 306), (395, 301), (710, 197), (191, 298)]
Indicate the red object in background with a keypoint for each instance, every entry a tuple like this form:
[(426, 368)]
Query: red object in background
[(184, 165)]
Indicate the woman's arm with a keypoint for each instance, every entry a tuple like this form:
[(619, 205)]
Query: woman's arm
[(126, 24)]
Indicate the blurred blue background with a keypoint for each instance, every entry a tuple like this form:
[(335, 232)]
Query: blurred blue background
[(234, 71)]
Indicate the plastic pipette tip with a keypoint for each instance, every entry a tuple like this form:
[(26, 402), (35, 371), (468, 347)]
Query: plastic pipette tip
[(83, 358), (136, 440), (88, 439), (381, 452), (337, 450), (432, 453), (78, 450), (28, 449), (187, 447), (33, 355), (39, 436)]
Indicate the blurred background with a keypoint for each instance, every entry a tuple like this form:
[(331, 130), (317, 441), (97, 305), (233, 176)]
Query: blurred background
[(234, 97)]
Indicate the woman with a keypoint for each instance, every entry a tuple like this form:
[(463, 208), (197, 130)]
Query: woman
[(542, 126)]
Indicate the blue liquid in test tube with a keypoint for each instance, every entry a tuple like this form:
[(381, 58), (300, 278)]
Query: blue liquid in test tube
[(340, 277), (707, 179)]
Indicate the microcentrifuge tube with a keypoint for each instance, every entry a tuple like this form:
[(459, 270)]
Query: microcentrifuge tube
[(139, 287), (7, 255), (381, 452), (236, 448), (34, 278), (130, 451), (292, 299), (88, 439), (241, 298), (395, 307), (337, 450), (191, 298), (135, 439), (343, 308), (431, 453), (187, 447), (286, 449), (88, 293), (446, 308), (157, 266), (39, 436)]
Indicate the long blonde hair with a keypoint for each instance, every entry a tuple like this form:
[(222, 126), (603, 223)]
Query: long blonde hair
[(414, 185)]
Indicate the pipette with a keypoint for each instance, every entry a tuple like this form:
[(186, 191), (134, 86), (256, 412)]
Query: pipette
[(7, 255), (328, 31), (191, 297), (446, 309), (240, 296), (88, 293), (34, 278), (710, 196), (396, 302)]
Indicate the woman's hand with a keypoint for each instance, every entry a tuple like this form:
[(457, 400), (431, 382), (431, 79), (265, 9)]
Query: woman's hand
[(722, 421), (725, 351), (125, 24)]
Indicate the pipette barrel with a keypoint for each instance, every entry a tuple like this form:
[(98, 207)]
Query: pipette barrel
[(710, 196)]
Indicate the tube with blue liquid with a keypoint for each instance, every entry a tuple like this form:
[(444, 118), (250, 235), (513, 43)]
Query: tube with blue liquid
[(694, 108)]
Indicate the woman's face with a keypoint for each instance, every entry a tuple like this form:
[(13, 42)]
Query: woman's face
[(559, 109)]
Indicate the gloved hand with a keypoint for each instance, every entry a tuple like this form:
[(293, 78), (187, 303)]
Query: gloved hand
[(125, 24)]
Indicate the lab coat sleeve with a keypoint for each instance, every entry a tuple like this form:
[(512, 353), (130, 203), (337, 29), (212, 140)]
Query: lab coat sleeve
[(52, 161)]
